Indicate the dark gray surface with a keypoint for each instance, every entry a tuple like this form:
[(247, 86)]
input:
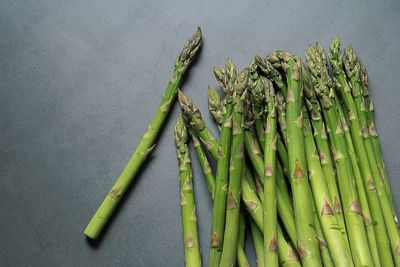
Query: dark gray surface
[(79, 81)]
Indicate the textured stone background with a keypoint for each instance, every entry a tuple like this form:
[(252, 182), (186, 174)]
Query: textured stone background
[(79, 81)]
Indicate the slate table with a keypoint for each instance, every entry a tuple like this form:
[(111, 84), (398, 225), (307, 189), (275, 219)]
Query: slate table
[(79, 81)]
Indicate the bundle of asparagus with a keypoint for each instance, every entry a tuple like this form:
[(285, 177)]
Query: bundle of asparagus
[(297, 154)]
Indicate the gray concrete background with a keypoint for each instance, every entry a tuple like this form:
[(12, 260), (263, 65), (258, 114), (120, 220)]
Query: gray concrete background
[(79, 81)]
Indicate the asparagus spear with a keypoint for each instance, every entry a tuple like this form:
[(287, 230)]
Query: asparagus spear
[(204, 164), (215, 106), (373, 132), (307, 244), (147, 143), (270, 72), (220, 200), (241, 256), (189, 217), (270, 213), (193, 117), (258, 244), (235, 171), (281, 106), (363, 149)]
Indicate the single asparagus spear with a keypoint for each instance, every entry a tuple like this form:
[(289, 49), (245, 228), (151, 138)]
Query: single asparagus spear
[(323, 246), (241, 256), (220, 200), (369, 106), (147, 143), (193, 117), (189, 217), (270, 209), (235, 172), (322, 200), (215, 106), (281, 108), (307, 245), (204, 164), (364, 154), (366, 193), (258, 244), (270, 72)]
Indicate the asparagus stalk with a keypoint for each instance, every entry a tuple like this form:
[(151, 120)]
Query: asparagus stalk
[(373, 132), (220, 200), (270, 72), (322, 201), (323, 246), (189, 217), (204, 164), (307, 245), (270, 209), (241, 256), (362, 146), (235, 171), (147, 143), (258, 244), (193, 117), (281, 106), (215, 106)]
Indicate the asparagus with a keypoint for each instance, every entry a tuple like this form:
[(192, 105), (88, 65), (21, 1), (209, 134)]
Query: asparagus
[(321, 140), (367, 195), (352, 68), (373, 132), (362, 145), (322, 201), (219, 206), (254, 207), (287, 254), (147, 143), (285, 210), (241, 256), (281, 106), (351, 205), (193, 117), (270, 213), (258, 244), (307, 244), (204, 164), (215, 106), (189, 217), (235, 171), (270, 72)]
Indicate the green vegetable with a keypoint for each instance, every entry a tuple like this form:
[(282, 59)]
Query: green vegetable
[(189, 217), (147, 143)]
